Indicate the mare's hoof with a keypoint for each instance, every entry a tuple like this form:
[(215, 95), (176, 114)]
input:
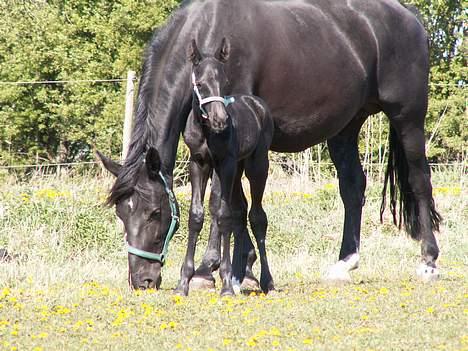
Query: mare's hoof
[(227, 292), (201, 283), (337, 274), (427, 273), (250, 284)]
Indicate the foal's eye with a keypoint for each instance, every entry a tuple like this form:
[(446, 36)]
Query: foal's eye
[(155, 215)]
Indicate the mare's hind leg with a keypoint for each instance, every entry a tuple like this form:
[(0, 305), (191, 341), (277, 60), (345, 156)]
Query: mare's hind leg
[(344, 153), (414, 180), (256, 170)]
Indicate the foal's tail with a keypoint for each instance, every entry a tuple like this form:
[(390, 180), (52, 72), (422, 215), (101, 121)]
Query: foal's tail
[(396, 177)]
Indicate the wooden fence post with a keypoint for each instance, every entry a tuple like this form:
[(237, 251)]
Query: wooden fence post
[(128, 122)]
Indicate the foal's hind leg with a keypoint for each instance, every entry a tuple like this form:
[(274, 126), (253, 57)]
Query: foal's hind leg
[(203, 277), (199, 173), (344, 153), (256, 170)]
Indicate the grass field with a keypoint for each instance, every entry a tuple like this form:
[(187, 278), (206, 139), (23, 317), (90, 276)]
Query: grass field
[(66, 286)]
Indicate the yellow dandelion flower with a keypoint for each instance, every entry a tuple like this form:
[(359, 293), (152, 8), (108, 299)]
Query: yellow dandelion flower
[(275, 343), (213, 301), (227, 342), (172, 324), (275, 331), (430, 310), (383, 291), (251, 342), (246, 312), (177, 299), (40, 336), (38, 348), (163, 326), (307, 341)]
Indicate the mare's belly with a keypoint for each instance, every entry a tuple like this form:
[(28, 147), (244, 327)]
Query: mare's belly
[(294, 134)]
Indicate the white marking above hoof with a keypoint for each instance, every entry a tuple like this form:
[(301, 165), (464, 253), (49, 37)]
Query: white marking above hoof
[(339, 272), (427, 273), (236, 286)]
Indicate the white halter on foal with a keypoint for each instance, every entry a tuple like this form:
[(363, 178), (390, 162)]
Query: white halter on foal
[(227, 100)]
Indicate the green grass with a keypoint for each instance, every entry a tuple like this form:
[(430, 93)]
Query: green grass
[(66, 287)]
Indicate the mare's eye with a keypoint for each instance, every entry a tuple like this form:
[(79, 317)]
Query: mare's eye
[(155, 215)]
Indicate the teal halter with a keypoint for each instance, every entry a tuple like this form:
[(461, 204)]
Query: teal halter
[(226, 100), (170, 232)]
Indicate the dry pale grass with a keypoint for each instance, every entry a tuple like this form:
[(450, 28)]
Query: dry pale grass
[(66, 286)]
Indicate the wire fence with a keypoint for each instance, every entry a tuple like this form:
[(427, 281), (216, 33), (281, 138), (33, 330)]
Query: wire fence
[(307, 165), (304, 170)]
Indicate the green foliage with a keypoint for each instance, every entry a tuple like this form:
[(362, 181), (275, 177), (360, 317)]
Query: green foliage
[(83, 39), (445, 21), (73, 40)]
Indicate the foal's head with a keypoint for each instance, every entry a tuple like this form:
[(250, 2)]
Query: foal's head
[(210, 85)]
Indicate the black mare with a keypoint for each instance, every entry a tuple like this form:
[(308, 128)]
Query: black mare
[(226, 134), (322, 67)]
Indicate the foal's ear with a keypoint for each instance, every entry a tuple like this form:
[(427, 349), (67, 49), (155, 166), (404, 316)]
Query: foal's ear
[(193, 53), (110, 165), (153, 163), (224, 50)]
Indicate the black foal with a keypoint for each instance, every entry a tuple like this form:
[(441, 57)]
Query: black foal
[(227, 135)]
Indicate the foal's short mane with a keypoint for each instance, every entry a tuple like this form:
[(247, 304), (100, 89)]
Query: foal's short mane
[(143, 134)]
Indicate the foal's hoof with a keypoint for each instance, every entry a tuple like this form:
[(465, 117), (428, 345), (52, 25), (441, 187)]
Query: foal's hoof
[(427, 273), (250, 284), (201, 283), (337, 274)]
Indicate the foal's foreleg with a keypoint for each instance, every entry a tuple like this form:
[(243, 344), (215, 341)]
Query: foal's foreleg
[(199, 174), (226, 171), (244, 254)]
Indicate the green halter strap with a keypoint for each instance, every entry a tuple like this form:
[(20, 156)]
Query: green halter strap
[(170, 232)]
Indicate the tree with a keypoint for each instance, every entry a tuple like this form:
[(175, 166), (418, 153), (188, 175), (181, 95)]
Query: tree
[(73, 40)]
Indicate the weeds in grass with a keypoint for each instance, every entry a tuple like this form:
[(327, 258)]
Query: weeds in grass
[(66, 286)]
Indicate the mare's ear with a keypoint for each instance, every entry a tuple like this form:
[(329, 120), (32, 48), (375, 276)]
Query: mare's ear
[(224, 50), (153, 163), (110, 165), (193, 53)]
